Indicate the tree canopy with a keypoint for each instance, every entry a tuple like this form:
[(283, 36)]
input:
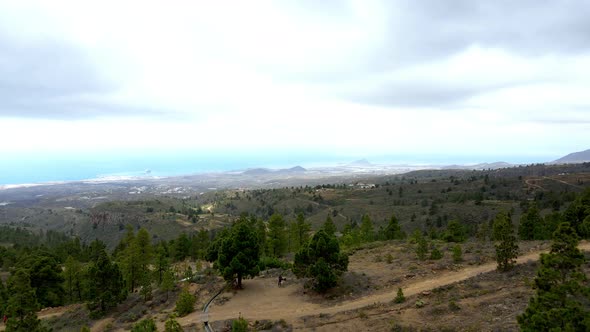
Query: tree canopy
[(562, 297), (321, 260), (236, 252), (393, 231), (506, 246)]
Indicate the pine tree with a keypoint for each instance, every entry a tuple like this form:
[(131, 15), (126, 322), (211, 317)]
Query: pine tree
[(72, 275), (185, 303), (321, 260), (455, 232), (560, 303), (329, 227), (128, 255), (531, 225), (3, 298), (393, 230), (168, 283), (421, 247), (46, 278), (277, 236), (105, 283), (162, 262), (136, 254), (578, 212), (145, 251), (22, 304), (146, 287), (261, 235), (236, 252), (303, 230), (506, 248), (367, 229)]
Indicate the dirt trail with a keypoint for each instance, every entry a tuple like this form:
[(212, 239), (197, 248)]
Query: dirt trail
[(561, 181), (530, 183), (262, 299)]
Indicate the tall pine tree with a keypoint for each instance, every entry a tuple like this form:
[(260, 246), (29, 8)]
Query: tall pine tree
[(506, 246), (277, 236), (105, 281), (22, 305), (561, 301)]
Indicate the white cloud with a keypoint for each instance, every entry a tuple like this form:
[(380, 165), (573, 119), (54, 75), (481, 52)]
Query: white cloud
[(235, 75)]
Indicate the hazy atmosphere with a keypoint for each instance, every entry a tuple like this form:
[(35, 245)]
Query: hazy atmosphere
[(294, 165), (107, 87)]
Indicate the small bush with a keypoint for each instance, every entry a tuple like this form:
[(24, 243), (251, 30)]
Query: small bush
[(146, 325), (436, 254), (457, 254), (389, 259), (420, 304), (266, 263), (453, 306), (185, 303), (239, 325), (172, 326), (400, 298)]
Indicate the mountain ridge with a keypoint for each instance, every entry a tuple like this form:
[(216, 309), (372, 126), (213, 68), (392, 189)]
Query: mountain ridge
[(574, 158)]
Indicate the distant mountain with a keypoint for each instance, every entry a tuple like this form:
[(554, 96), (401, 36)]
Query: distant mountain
[(296, 169), (574, 158), (257, 171), (482, 166), (265, 171), (496, 165), (360, 163)]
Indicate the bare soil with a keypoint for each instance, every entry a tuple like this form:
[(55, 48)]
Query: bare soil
[(471, 296), (262, 299)]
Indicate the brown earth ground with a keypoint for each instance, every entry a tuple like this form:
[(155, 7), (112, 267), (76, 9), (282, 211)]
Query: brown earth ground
[(472, 286), (471, 296)]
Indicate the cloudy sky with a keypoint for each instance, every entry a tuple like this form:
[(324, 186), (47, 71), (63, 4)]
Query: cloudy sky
[(485, 80)]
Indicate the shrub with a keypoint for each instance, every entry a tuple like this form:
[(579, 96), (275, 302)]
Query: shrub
[(185, 303), (420, 304), (172, 326), (146, 325), (239, 325), (422, 248), (389, 259), (436, 254), (453, 306), (272, 263), (457, 254), (399, 298)]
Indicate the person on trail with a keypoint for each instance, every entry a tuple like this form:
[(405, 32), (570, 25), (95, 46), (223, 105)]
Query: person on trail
[(280, 280), (5, 319)]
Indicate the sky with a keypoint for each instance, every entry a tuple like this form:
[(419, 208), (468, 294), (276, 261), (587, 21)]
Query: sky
[(277, 81)]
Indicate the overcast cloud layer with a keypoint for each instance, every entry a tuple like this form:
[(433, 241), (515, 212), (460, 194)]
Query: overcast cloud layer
[(355, 78)]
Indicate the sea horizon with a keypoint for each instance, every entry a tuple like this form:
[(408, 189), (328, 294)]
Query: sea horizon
[(45, 171)]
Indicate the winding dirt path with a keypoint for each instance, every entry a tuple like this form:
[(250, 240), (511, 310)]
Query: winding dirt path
[(561, 181), (262, 299)]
